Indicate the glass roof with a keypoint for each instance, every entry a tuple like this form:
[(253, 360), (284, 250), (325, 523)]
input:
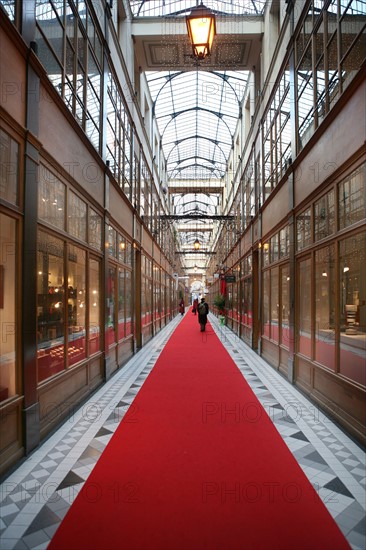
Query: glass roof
[(197, 113), (158, 8)]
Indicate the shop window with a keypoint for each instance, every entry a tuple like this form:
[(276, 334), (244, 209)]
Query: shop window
[(76, 305), (51, 199), (274, 305), (8, 304), (94, 306), (325, 304), (352, 201), (324, 216), (352, 303), (50, 306), (111, 307), (128, 302), (285, 305), (121, 248), (303, 229), (77, 216), (266, 304), (121, 303), (112, 241), (304, 309), (9, 172)]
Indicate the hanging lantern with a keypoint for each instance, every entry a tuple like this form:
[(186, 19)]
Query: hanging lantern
[(196, 244), (201, 27)]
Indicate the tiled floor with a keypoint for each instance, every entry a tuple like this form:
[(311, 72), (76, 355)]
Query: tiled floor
[(36, 497)]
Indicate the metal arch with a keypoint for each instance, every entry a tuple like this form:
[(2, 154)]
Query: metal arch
[(196, 137), (179, 207), (220, 116), (212, 170), (211, 161), (168, 79)]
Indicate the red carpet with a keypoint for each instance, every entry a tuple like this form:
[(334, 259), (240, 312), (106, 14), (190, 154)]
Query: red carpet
[(197, 464)]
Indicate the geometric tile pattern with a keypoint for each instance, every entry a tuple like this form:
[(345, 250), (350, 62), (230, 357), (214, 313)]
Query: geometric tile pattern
[(36, 497), (334, 464)]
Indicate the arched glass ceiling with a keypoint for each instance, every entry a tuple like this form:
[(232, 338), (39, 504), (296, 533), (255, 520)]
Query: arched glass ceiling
[(197, 113), (157, 8)]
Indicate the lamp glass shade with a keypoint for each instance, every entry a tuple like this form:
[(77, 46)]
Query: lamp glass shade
[(201, 27), (196, 244)]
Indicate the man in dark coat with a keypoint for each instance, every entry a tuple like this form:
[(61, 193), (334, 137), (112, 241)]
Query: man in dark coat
[(202, 314)]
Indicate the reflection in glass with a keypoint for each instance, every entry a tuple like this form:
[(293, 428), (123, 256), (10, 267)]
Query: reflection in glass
[(325, 307), (8, 304), (352, 302), (304, 310), (324, 216), (51, 198), (77, 216), (76, 305), (266, 290), (285, 306), (352, 198), (94, 306), (121, 303), (111, 307), (50, 306), (274, 305), (9, 158)]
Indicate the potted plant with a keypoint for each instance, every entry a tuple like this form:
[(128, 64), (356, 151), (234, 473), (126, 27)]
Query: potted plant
[(219, 302)]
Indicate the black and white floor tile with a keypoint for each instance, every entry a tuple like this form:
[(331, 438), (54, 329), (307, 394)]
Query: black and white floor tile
[(35, 498)]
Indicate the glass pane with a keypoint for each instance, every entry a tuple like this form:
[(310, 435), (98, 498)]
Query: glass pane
[(304, 310), (95, 229), (303, 229), (274, 305), (9, 7), (8, 303), (77, 216), (51, 198), (121, 303), (352, 273), (266, 322), (128, 303), (285, 306), (352, 201), (112, 240), (110, 333), (50, 306), (9, 161), (248, 302), (94, 306), (325, 307), (76, 305), (324, 216)]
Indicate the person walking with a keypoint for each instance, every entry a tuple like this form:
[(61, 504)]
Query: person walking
[(181, 307), (202, 314), (195, 306)]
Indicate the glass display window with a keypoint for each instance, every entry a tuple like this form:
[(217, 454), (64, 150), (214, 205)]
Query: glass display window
[(76, 305), (285, 305), (50, 306), (110, 329), (94, 306), (352, 303), (8, 306), (121, 303), (325, 307), (304, 307)]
